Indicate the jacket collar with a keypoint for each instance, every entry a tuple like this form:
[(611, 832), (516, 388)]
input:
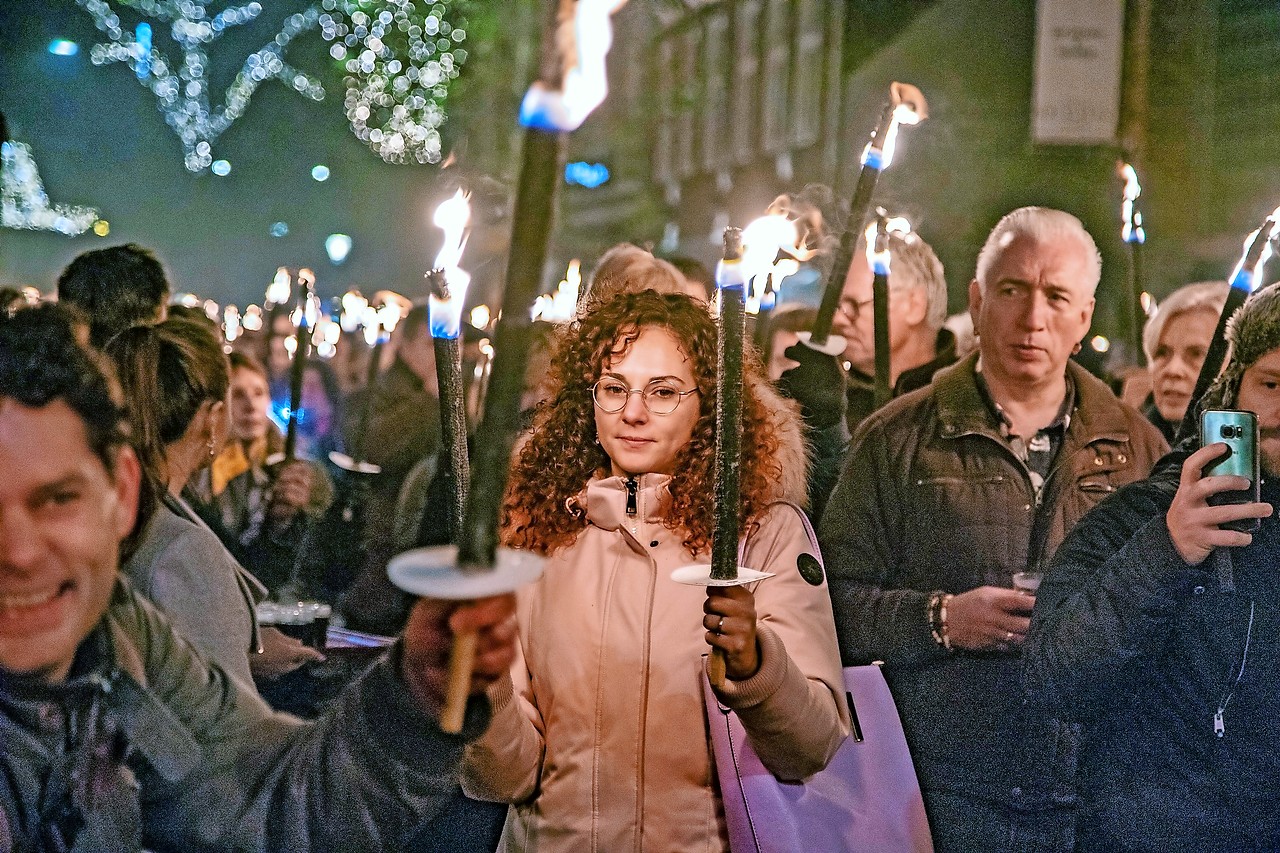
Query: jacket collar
[(606, 501), (962, 411)]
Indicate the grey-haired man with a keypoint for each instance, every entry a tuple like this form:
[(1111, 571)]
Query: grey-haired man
[(950, 490)]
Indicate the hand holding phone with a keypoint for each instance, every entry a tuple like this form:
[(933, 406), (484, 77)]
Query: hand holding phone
[(1207, 502), (1238, 430)]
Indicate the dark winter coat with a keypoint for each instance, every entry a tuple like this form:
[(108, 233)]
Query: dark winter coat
[(1174, 672)]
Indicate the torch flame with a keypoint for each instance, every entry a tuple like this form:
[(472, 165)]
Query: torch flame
[(252, 320), (1250, 279), (231, 325), (899, 225), (1131, 230), (1132, 189), (909, 108), (452, 217), (371, 324), (763, 241), (280, 287), (584, 44), (561, 306), (1148, 303), (877, 235), (353, 305)]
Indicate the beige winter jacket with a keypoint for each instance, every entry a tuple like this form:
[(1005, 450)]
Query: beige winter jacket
[(601, 743)]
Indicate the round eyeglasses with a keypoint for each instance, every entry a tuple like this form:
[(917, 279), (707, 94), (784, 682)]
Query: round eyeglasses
[(660, 398)]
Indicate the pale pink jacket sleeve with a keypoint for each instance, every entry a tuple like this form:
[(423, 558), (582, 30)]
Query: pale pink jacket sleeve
[(793, 707), (504, 764)]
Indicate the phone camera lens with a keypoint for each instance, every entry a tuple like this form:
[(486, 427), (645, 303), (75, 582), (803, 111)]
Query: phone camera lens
[(1230, 431)]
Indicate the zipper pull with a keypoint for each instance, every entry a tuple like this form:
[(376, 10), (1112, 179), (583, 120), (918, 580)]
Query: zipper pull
[(632, 494), (1219, 728)]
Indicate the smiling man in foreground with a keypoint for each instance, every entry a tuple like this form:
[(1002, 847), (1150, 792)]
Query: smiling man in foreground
[(950, 490), (115, 733)]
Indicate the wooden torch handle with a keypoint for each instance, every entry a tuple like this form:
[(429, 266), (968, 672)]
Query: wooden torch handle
[(716, 669), (461, 663)]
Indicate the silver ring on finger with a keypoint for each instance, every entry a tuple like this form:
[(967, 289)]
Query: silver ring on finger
[(720, 626), (1008, 636)]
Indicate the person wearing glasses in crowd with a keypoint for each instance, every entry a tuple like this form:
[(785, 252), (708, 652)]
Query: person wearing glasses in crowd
[(919, 345), (599, 737)]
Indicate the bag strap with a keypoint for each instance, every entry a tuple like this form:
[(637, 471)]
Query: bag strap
[(808, 532), (708, 695)]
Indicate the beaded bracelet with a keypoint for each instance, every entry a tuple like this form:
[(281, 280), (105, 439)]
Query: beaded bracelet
[(937, 616)]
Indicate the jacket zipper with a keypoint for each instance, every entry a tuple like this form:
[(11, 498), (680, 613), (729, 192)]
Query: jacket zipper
[(1219, 727), (634, 510), (633, 489)]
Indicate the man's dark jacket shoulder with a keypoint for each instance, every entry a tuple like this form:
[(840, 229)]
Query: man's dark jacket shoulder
[(202, 764)]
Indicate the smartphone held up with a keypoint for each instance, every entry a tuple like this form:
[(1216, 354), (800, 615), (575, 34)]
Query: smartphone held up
[(1239, 431)]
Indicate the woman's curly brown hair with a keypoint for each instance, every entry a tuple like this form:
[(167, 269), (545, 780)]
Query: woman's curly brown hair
[(562, 453)]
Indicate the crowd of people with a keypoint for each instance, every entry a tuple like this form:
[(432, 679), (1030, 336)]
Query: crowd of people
[(1082, 655)]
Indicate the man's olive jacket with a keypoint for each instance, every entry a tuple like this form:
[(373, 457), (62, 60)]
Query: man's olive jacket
[(932, 498)]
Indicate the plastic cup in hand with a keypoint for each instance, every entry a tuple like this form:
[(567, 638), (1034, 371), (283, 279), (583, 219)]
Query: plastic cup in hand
[(1027, 583)]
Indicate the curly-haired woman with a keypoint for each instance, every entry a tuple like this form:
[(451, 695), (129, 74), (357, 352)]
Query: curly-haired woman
[(599, 739)]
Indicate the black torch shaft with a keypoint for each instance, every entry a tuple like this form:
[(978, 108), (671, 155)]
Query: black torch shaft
[(880, 317), (1237, 294), (453, 410), (1136, 314), (868, 177), (366, 408), (512, 340), (302, 343), (453, 426), (730, 333)]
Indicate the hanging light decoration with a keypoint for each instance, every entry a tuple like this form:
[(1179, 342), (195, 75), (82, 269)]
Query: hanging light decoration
[(24, 202), (400, 56), (182, 87)]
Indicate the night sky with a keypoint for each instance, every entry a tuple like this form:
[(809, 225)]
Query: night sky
[(99, 140)]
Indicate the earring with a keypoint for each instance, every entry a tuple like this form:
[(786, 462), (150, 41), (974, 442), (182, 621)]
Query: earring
[(213, 448)]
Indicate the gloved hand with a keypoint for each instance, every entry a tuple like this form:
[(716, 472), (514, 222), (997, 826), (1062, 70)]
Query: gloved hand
[(817, 384)]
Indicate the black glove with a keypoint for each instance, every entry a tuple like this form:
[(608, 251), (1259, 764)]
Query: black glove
[(817, 384)]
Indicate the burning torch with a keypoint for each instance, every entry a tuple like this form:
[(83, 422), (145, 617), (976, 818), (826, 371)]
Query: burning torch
[(730, 333), (304, 316), (448, 284), (906, 106), (1245, 279), (878, 259), (1134, 236), (572, 84)]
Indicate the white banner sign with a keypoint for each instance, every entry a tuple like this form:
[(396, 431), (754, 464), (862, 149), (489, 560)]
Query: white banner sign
[(1079, 48)]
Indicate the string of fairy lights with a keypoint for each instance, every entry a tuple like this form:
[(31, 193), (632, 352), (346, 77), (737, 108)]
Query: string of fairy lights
[(24, 204), (182, 88), (398, 57)]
